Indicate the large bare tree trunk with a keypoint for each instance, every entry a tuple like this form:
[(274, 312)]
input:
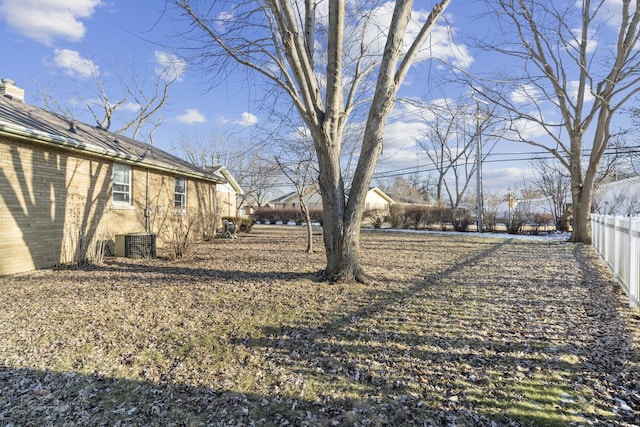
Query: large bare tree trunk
[(581, 211), (292, 68)]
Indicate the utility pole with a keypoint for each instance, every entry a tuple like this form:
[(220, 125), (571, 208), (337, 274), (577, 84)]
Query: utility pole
[(479, 120)]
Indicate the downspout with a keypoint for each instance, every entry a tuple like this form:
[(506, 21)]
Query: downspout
[(147, 209)]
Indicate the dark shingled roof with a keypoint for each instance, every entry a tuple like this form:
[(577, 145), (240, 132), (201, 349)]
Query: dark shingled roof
[(37, 124)]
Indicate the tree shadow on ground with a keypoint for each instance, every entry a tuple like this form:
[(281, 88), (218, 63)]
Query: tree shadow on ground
[(163, 273), (398, 351), (35, 397)]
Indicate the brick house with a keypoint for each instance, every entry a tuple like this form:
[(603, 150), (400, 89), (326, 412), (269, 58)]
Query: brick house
[(68, 187)]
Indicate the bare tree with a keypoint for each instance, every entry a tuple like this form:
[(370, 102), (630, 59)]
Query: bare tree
[(454, 132), (274, 38), (579, 65), (147, 99), (620, 160), (150, 105), (554, 183), (617, 202), (402, 190), (257, 175), (297, 165), (103, 118), (522, 213)]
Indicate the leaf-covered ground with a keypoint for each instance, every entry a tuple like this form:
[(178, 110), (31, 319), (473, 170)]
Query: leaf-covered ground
[(457, 330)]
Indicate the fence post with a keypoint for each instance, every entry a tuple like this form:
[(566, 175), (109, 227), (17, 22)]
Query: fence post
[(615, 256), (633, 262), (608, 237)]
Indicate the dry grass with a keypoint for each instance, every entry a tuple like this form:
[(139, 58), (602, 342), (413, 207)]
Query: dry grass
[(457, 330)]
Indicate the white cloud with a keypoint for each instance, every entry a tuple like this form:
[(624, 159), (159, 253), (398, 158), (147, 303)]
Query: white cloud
[(400, 134), (502, 178), (246, 119), (190, 116), (223, 18), (610, 12), (572, 89), (46, 21), (527, 129), (440, 44), (526, 94), (73, 64), (130, 107), (169, 66)]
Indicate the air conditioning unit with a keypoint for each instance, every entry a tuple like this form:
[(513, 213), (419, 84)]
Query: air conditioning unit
[(136, 245)]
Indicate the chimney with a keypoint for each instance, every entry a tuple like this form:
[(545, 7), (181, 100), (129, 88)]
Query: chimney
[(9, 89)]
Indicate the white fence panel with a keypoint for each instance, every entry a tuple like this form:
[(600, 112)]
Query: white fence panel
[(617, 240)]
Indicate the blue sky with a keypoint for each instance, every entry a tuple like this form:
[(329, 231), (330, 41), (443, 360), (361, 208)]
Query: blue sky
[(55, 46)]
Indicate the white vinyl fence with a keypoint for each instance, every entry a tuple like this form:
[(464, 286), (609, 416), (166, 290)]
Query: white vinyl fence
[(617, 240)]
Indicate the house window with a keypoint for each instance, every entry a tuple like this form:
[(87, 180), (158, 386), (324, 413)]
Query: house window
[(180, 196), (218, 206), (121, 184)]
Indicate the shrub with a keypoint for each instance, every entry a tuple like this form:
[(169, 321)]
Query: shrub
[(181, 229), (376, 217), (422, 216), (564, 223), (439, 215), (398, 216), (490, 221), (542, 219), (460, 219), (515, 224), (408, 216), (264, 214)]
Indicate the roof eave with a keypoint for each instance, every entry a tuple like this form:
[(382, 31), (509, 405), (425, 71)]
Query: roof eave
[(34, 135)]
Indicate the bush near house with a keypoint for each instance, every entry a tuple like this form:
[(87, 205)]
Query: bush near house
[(181, 231)]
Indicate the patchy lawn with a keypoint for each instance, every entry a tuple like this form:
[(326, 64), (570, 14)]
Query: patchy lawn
[(460, 330)]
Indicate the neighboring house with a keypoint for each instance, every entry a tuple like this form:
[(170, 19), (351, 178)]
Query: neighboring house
[(620, 197), (66, 187), (376, 199), (537, 205), (292, 200)]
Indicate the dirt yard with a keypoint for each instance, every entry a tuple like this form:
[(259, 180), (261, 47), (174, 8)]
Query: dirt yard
[(457, 330)]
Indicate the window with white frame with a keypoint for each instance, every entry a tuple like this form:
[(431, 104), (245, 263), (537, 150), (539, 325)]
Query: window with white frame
[(121, 192), (218, 205), (180, 197)]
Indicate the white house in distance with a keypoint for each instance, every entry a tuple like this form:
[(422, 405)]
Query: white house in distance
[(376, 200), (620, 197)]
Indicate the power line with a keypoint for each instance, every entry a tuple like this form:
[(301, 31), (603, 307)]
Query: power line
[(539, 155)]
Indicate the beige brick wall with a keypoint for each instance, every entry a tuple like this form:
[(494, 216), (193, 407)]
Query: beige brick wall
[(55, 205)]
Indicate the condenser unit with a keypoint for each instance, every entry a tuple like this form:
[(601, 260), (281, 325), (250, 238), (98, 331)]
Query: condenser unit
[(136, 245)]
